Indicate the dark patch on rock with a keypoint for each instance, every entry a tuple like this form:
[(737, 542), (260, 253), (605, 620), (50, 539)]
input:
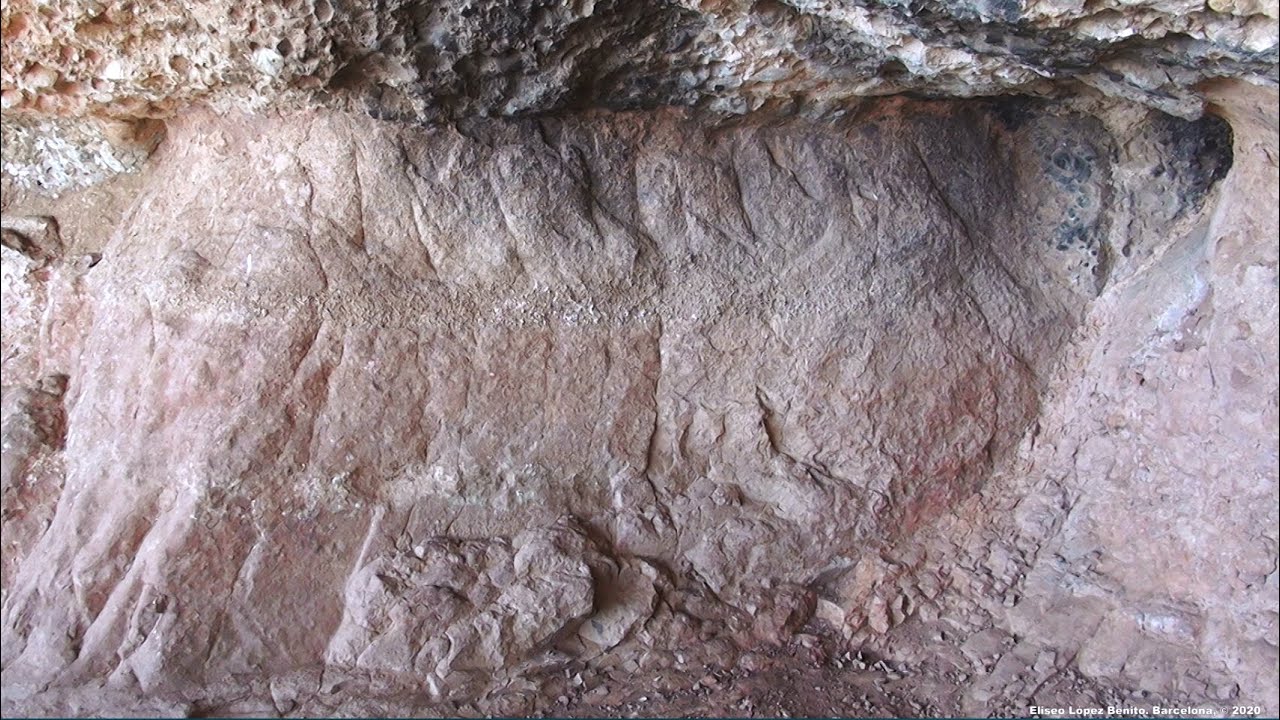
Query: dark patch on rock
[(1010, 10), (1197, 153), (1071, 166), (1071, 163), (1015, 111)]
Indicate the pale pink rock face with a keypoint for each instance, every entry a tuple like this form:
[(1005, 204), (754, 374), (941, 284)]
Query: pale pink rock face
[(942, 407)]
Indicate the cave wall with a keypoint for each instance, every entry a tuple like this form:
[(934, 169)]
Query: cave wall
[(331, 393), (1132, 537), (635, 334), (421, 403)]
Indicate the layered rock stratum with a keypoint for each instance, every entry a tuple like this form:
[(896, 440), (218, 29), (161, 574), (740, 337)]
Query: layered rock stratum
[(393, 358)]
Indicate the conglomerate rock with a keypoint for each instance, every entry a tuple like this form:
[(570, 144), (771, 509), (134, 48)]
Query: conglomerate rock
[(444, 59), (122, 60), (489, 358)]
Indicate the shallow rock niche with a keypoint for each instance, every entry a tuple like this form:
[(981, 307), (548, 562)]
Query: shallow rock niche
[(640, 358)]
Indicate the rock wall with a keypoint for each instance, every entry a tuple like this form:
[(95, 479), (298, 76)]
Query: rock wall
[(124, 58), (1133, 537), (696, 365), (422, 404)]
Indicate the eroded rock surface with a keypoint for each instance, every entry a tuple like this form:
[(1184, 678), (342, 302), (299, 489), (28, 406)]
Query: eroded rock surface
[(427, 59), (351, 416), (600, 358), (78, 74)]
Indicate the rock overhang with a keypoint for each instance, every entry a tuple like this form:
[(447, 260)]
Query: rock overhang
[(69, 62)]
